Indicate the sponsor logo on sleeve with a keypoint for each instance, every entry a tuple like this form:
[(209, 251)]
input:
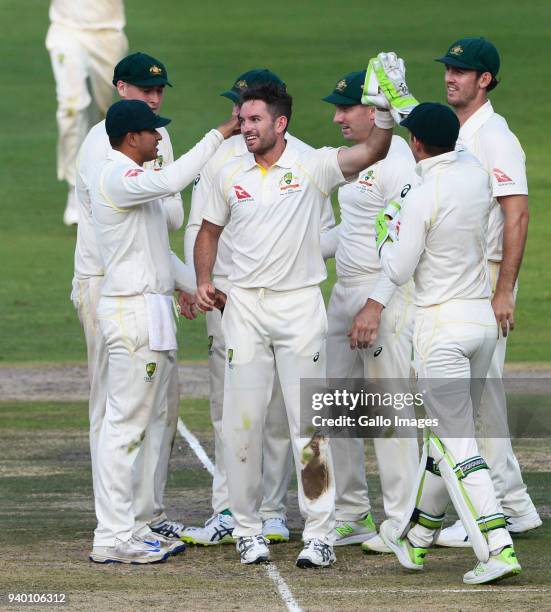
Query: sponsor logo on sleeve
[(133, 172), (242, 195), (502, 178), (405, 190)]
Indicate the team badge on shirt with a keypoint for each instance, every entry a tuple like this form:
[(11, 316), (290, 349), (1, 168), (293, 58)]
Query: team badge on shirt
[(289, 183), (502, 178), (367, 178), (158, 162)]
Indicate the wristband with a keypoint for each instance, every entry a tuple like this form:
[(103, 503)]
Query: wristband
[(383, 119)]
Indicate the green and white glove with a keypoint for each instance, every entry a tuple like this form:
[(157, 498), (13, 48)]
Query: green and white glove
[(385, 80), (387, 225)]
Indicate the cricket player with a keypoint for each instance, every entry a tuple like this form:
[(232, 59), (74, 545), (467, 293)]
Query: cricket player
[(137, 77), (472, 65), (275, 316), (135, 314), (441, 239), (277, 452), (85, 40), (370, 322)]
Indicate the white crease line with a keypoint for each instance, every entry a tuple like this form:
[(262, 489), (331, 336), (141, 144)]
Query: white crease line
[(271, 569), (196, 447), (421, 590)]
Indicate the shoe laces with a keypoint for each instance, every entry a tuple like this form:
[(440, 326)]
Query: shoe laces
[(276, 520), (324, 550), (246, 543)]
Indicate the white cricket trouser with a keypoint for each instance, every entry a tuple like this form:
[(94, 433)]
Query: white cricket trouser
[(82, 63), (86, 295), (456, 340), (397, 458), (504, 468), (267, 331), (277, 452), (137, 409)]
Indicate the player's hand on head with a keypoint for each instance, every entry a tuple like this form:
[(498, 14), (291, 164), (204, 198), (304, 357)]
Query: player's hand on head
[(503, 304), (188, 309), (365, 325), (229, 127), (204, 297)]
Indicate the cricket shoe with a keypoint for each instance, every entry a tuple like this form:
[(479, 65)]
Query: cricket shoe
[(217, 530), (316, 554), (410, 557), (275, 530), (135, 551), (526, 522), (454, 536), (354, 532), (172, 530), (497, 567), (375, 545), (173, 546), (253, 549)]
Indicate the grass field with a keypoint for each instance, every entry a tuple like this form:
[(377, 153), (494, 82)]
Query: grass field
[(46, 508), (205, 45), (47, 516)]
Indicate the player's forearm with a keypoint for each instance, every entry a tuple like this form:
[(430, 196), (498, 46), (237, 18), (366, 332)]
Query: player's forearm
[(356, 158), (515, 231), (204, 253)]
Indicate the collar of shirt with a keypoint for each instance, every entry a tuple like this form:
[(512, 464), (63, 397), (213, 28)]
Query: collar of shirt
[(425, 166), (287, 159), (475, 122), (121, 157)]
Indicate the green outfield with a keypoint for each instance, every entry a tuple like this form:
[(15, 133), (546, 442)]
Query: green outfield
[(310, 44)]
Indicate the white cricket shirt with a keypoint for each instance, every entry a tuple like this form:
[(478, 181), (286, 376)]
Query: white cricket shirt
[(442, 237), (488, 137), (231, 148), (275, 216), (360, 202), (130, 223), (88, 14), (92, 155)]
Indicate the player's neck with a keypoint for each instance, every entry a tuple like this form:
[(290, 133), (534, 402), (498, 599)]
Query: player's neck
[(132, 153), (269, 158), (465, 112)]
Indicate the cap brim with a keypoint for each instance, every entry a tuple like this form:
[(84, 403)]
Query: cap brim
[(161, 122), (336, 98), (451, 61), (231, 95), (405, 122), (154, 82)]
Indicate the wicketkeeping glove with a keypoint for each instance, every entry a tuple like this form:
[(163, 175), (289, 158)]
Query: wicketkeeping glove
[(387, 224), (385, 86)]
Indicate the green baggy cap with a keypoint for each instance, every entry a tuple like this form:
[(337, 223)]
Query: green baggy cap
[(132, 116), (141, 70), (348, 90), (434, 124), (258, 76), (472, 54)]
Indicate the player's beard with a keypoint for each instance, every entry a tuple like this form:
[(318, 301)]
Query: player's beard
[(264, 144)]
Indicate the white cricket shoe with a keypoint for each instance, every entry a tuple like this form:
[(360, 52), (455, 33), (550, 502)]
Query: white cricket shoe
[(355, 532), (135, 551), (253, 549), (497, 567), (172, 530), (411, 557), (275, 530), (375, 545), (521, 524), (70, 215), (171, 545), (217, 530), (454, 536), (316, 554)]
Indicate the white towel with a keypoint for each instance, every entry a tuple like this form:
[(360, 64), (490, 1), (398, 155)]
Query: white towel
[(160, 322)]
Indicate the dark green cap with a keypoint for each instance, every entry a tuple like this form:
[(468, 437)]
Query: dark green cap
[(434, 124), (473, 53), (142, 70), (132, 116), (258, 76), (348, 90)]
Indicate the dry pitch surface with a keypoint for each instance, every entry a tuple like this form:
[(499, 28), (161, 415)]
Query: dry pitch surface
[(47, 517)]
